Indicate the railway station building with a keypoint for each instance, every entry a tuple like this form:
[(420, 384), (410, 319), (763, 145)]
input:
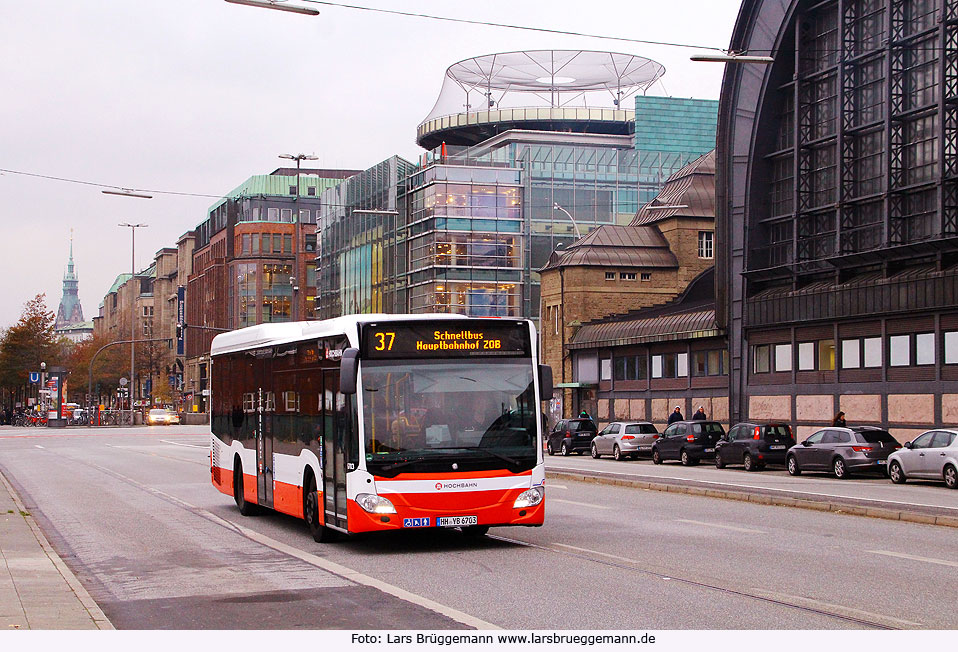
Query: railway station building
[(837, 213)]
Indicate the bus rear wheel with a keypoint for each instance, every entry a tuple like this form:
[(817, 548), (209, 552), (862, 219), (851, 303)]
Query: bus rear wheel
[(246, 508), (321, 533)]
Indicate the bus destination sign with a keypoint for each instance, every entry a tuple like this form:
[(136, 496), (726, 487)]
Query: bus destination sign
[(445, 339)]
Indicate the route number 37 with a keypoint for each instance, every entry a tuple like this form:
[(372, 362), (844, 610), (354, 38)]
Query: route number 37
[(384, 341)]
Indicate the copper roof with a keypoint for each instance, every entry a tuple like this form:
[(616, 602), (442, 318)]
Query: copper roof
[(679, 326), (611, 245), (692, 188), (690, 315)]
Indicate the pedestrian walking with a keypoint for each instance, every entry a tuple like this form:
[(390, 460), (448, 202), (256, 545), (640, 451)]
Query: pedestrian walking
[(676, 415), (839, 420), (700, 414)]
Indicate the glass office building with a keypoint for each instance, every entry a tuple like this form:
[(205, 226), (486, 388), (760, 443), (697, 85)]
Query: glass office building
[(526, 152), (670, 132)]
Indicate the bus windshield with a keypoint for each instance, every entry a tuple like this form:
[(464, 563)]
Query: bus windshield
[(448, 415)]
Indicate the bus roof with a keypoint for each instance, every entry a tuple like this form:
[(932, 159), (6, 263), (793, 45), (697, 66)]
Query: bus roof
[(261, 335)]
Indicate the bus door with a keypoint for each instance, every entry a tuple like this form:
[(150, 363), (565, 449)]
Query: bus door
[(335, 431), (265, 405)]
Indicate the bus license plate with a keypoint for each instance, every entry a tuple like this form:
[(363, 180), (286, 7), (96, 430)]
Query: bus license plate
[(457, 521)]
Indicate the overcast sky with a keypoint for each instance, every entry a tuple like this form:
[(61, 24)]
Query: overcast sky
[(197, 95)]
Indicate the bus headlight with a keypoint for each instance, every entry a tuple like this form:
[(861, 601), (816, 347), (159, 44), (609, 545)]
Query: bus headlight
[(375, 504), (529, 498)]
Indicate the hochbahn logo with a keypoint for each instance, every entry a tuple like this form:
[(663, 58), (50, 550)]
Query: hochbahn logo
[(456, 485)]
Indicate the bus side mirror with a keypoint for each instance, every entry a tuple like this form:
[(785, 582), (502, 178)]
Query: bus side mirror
[(348, 370), (545, 382)]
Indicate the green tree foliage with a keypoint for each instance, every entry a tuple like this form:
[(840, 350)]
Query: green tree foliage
[(28, 343)]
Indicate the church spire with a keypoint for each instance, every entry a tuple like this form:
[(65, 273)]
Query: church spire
[(70, 311)]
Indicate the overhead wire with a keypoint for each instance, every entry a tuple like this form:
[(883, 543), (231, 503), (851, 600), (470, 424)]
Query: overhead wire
[(486, 23)]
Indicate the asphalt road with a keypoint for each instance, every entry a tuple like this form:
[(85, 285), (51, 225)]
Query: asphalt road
[(134, 515)]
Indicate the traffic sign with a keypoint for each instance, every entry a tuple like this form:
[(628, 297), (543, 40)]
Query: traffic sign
[(123, 382), (34, 376)]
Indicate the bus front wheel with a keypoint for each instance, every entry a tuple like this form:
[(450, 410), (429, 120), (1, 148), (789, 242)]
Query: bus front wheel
[(321, 533)]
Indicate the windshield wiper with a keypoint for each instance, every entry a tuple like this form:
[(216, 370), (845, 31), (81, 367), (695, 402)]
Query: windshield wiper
[(399, 465), (504, 458)]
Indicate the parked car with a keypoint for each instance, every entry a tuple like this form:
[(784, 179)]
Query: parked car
[(571, 436), (688, 441), (754, 445), (622, 439), (933, 455), (842, 451), (160, 416)]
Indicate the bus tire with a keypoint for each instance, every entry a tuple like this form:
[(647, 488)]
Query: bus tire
[(474, 531), (246, 508), (321, 533)]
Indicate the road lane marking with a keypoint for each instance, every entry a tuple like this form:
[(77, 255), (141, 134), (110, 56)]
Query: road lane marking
[(928, 560), (39, 446), (176, 443), (718, 525), (573, 502), (314, 560), (594, 552), (557, 486)]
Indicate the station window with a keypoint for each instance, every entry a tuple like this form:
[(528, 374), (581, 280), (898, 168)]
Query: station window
[(899, 351), (626, 276), (761, 359), (951, 347), (706, 244), (646, 276), (783, 357), (925, 348), (610, 276)]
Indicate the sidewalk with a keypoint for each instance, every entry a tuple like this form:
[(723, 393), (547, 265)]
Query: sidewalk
[(37, 590)]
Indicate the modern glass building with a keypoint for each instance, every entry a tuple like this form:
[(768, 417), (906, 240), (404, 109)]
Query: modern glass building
[(526, 152), (670, 132), (837, 181)]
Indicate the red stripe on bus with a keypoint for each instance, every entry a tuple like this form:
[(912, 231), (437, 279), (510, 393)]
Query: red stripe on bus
[(470, 475)]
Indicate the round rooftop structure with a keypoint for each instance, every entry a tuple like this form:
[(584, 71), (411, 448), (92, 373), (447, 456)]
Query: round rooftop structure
[(554, 90)]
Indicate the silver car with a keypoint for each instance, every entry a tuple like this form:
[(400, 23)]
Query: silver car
[(622, 439), (933, 455)]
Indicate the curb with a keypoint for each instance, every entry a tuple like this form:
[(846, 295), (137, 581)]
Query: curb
[(777, 497), (87, 601)]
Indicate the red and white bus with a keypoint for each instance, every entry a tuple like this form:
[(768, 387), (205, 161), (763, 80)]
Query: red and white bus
[(382, 422)]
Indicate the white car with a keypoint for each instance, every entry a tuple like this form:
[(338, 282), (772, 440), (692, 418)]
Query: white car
[(161, 416), (624, 439), (933, 455)]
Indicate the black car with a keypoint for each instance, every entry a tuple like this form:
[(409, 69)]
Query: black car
[(842, 451), (688, 441), (571, 436), (754, 445)]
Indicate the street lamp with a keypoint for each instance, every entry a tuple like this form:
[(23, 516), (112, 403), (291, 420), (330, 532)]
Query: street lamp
[(133, 228), (275, 4), (732, 57), (556, 207), (299, 158)]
